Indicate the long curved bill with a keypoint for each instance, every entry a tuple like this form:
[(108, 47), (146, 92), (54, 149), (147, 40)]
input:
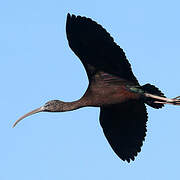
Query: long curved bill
[(28, 114)]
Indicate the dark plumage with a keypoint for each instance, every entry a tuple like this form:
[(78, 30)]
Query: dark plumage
[(112, 87), (124, 126), (95, 47)]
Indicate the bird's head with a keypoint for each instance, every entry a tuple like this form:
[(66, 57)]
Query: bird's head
[(50, 106), (54, 106)]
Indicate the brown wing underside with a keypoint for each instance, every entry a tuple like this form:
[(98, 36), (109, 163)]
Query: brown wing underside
[(96, 48), (124, 126)]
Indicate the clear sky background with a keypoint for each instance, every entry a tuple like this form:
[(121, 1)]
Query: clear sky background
[(36, 65)]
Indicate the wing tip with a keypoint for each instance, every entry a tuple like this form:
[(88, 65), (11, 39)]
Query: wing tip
[(71, 16), (70, 19), (69, 22), (129, 159)]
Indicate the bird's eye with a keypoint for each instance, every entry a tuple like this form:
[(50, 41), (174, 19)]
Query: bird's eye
[(47, 104)]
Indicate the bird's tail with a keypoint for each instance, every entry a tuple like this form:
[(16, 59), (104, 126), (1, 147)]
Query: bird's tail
[(155, 98), (151, 89)]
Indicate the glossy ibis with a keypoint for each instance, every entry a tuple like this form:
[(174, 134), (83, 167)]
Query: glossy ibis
[(112, 87)]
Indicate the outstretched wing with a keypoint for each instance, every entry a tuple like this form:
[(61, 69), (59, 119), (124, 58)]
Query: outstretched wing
[(96, 48), (124, 126)]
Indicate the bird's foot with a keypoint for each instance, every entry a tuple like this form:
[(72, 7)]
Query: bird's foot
[(164, 100)]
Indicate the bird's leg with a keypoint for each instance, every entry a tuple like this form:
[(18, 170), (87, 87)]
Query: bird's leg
[(164, 100)]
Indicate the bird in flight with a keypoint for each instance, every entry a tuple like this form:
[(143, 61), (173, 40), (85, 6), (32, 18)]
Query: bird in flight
[(112, 87)]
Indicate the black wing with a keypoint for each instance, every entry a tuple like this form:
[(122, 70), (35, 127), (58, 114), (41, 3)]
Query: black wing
[(124, 126), (96, 48)]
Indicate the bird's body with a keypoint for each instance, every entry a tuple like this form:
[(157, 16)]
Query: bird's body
[(112, 87), (105, 90)]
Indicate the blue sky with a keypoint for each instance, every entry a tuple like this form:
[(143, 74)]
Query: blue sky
[(36, 65)]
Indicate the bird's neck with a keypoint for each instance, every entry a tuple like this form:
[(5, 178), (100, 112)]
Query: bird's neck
[(69, 106)]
